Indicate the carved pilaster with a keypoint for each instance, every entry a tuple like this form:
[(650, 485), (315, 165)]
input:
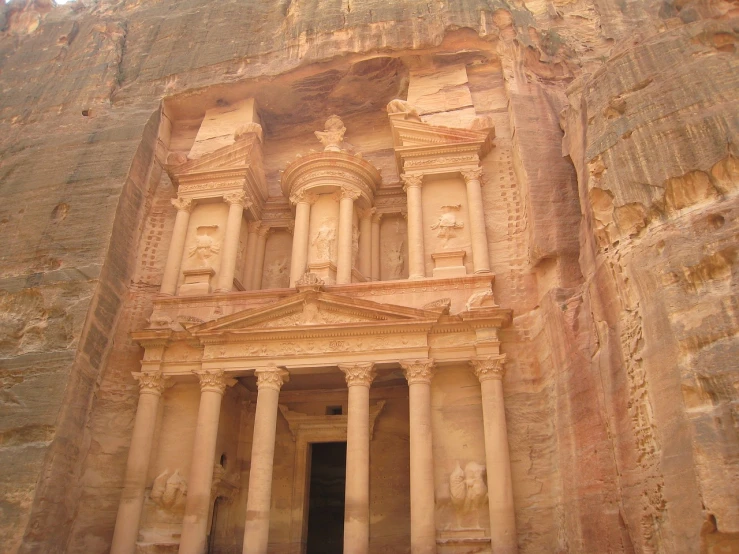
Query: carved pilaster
[(271, 377), (411, 180), (183, 204), (418, 371), (151, 382), (361, 374), (489, 367), (211, 380), (238, 197)]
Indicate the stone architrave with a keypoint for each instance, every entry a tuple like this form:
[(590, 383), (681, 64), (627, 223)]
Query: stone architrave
[(490, 370), (416, 262), (197, 507), (418, 373), (359, 377), (256, 530), (177, 246), (151, 386)]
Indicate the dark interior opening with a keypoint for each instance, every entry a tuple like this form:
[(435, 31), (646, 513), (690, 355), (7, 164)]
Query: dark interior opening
[(334, 410), (326, 500)]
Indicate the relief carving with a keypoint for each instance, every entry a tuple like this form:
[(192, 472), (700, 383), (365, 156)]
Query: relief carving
[(447, 223), (169, 491), (482, 299), (468, 493), (205, 246), (325, 241), (404, 107), (275, 275), (395, 259)]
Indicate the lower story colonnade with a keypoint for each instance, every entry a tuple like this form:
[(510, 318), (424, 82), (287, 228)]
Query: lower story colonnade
[(445, 499)]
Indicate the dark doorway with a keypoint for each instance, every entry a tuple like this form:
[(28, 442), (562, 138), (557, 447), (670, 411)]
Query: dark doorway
[(326, 500)]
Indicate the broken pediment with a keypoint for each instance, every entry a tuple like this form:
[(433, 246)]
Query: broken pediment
[(315, 309)]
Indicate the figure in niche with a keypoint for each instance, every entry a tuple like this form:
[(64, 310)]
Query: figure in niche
[(468, 493), (275, 276), (205, 246), (447, 223), (169, 491), (333, 135), (395, 259), (325, 240)]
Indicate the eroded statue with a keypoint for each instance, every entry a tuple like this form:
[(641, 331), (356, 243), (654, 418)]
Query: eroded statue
[(325, 240), (395, 259), (333, 134), (205, 246), (275, 276), (169, 490), (468, 493), (447, 223)]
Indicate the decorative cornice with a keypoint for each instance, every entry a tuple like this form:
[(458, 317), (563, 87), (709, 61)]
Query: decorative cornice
[(418, 371), (238, 197), (151, 382), (211, 380), (489, 367), (182, 204), (472, 174), (361, 374), (411, 180), (271, 377)]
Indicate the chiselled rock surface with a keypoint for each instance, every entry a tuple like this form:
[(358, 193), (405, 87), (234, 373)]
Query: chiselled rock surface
[(370, 166)]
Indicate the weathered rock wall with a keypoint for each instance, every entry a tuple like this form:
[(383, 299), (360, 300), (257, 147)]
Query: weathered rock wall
[(621, 388)]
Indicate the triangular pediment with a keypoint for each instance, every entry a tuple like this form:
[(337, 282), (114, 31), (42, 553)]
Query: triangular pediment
[(415, 134), (313, 309)]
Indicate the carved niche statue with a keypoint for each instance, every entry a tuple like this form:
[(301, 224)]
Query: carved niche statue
[(333, 135), (447, 223), (205, 245), (325, 240), (468, 493), (169, 491), (395, 259), (275, 276)]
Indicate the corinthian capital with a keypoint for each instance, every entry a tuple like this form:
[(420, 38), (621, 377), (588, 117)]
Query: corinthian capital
[(238, 197), (418, 371), (411, 180), (489, 367), (151, 382), (271, 377), (348, 192), (211, 380), (472, 174), (253, 226), (182, 204), (358, 374), (303, 196)]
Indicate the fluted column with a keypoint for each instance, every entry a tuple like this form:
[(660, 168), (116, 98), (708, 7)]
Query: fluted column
[(299, 258), (418, 373), (151, 385), (197, 508), (256, 531), (251, 253), (489, 371), (236, 203), (376, 218), (416, 255), (480, 256), (176, 246), (256, 282), (344, 254), (356, 507), (365, 243)]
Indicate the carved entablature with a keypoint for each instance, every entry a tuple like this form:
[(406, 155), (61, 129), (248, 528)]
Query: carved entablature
[(236, 168), (426, 149)]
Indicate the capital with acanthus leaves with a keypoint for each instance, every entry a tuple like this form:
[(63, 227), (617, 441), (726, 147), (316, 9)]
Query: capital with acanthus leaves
[(151, 382), (271, 377), (418, 371), (489, 367), (182, 204), (361, 374), (211, 380), (411, 180)]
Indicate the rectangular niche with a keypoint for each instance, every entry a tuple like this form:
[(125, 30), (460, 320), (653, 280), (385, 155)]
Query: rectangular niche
[(276, 273), (393, 248)]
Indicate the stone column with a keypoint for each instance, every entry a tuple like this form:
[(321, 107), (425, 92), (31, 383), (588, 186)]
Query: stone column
[(197, 508), (176, 246), (151, 385), (480, 256), (423, 526), (256, 531), (299, 258), (376, 218), (489, 371), (251, 253), (236, 204), (346, 228), (365, 243), (256, 282), (356, 508), (416, 256)]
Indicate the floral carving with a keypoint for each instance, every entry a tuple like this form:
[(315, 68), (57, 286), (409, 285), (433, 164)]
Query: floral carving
[(489, 367), (182, 204), (348, 192), (151, 382), (472, 174), (411, 180), (418, 371), (271, 377), (303, 196), (211, 380), (310, 280), (238, 197), (361, 374)]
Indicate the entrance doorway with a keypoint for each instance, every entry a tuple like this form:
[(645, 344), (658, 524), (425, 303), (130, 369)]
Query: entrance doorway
[(326, 498)]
